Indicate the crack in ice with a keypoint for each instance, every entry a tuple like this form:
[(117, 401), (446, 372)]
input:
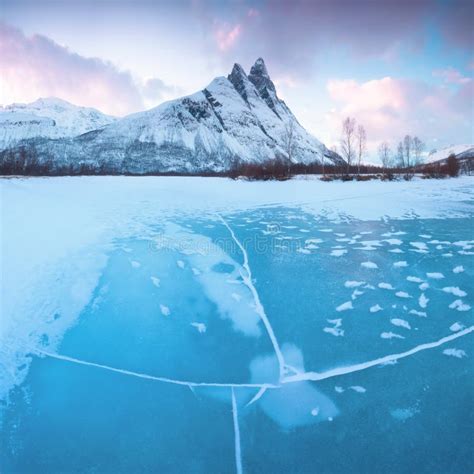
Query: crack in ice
[(185, 383), (238, 451), (315, 376), (299, 377), (257, 396), (258, 305)]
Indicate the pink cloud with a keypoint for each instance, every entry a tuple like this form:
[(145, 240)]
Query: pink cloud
[(226, 35), (451, 75), (36, 66), (390, 108)]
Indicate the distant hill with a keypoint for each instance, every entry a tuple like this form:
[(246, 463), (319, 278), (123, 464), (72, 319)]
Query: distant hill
[(460, 151), (47, 118)]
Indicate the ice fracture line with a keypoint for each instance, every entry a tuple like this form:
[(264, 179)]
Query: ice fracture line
[(153, 377), (310, 376), (238, 453), (258, 305), (315, 376)]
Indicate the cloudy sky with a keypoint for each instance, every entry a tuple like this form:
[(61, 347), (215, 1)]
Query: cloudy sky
[(397, 66)]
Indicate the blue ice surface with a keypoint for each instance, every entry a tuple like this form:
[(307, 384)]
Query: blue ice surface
[(413, 416)]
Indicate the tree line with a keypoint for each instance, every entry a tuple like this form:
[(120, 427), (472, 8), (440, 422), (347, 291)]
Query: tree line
[(404, 161)]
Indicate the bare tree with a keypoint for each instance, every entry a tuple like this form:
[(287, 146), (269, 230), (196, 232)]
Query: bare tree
[(348, 141), (408, 148), (400, 155), (385, 155), (418, 147), (289, 141), (361, 137)]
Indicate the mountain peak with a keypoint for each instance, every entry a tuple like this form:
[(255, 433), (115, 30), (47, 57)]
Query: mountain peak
[(259, 69), (238, 70), (239, 80), (261, 80)]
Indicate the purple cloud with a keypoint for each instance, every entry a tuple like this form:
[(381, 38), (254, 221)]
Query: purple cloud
[(32, 67), (291, 33)]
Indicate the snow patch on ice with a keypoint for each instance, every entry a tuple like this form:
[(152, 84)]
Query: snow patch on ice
[(456, 327), (414, 279), (435, 275), (201, 327), (353, 283), (394, 241), (458, 353), (356, 293), (420, 247), (454, 290), (423, 301), (400, 323), (391, 335), (335, 330), (345, 306), (460, 305), (402, 294)]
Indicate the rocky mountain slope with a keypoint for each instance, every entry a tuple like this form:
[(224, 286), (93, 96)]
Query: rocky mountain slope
[(235, 119)]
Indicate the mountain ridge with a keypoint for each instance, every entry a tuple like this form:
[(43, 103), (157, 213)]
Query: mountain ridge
[(235, 119), (49, 118)]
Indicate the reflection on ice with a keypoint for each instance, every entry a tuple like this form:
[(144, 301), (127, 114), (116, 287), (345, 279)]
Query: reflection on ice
[(217, 272), (295, 404)]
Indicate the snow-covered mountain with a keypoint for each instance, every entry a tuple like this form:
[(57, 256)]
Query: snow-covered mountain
[(48, 118), (238, 118), (460, 151)]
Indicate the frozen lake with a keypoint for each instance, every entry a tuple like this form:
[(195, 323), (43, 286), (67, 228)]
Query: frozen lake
[(202, 325)]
